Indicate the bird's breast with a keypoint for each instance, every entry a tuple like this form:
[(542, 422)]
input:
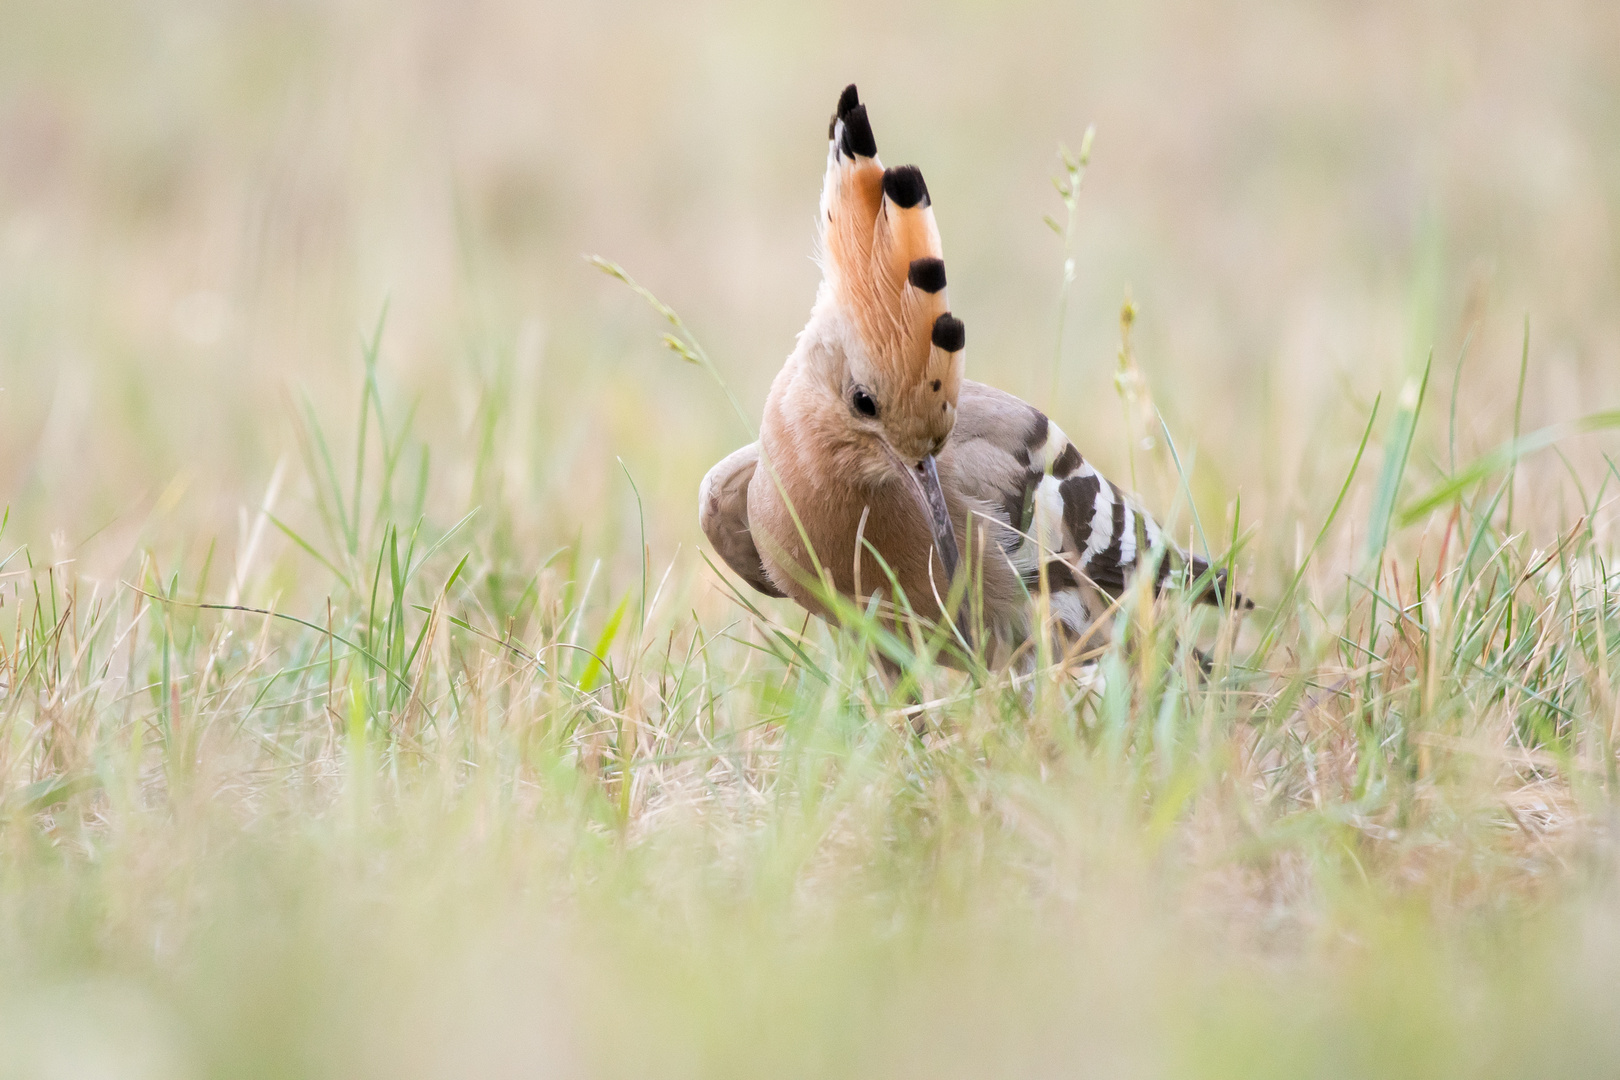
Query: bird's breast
[(817, 518)]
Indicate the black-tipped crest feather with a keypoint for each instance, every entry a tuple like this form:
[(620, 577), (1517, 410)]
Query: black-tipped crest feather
[(847, 101), (858, 139), (904, 186), (927, 275), (949, 333)]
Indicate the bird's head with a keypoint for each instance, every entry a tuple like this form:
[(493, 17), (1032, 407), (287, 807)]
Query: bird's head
[(881, 338)]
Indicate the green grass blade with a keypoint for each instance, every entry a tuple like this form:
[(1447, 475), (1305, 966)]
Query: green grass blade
[(1397, 450)]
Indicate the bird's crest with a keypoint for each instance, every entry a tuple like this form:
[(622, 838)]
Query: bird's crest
[(881, 255)]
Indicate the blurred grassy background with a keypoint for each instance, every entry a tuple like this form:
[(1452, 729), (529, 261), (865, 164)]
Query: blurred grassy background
[(1373, 843), (204, 206)]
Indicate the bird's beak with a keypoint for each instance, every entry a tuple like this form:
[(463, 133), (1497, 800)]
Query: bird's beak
[(927, 476)]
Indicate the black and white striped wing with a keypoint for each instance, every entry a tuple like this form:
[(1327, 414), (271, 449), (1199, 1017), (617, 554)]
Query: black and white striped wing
[(1088, 527)]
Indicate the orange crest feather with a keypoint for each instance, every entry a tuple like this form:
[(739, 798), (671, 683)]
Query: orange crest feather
[(881, 253)]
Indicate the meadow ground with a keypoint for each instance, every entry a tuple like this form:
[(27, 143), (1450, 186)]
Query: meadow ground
[(367, 705)]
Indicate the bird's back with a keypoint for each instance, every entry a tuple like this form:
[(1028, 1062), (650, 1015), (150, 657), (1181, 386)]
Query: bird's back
[(1056, 517)]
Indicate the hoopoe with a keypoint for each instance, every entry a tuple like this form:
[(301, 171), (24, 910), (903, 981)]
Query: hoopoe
[(878, 464)]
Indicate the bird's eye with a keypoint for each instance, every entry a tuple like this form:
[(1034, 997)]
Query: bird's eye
[(862, 401)]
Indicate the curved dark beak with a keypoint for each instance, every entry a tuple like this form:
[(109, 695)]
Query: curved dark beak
[(927, 477)]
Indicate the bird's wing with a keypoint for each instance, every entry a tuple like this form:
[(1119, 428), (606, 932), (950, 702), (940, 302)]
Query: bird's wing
[(1009, 454), (723, 513)]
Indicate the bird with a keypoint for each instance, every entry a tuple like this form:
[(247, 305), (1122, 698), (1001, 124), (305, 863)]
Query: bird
[(883, 476)]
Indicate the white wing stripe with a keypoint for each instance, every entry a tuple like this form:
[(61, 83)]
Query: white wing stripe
[(1102, 521)]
